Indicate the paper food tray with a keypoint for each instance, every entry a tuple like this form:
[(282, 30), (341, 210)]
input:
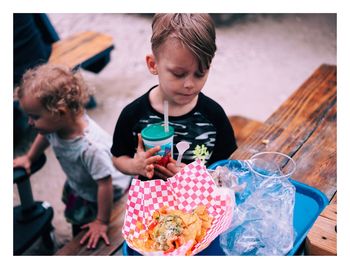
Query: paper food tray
[(190, 187)]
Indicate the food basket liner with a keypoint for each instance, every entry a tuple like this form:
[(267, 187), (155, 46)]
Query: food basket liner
[(189, 188)]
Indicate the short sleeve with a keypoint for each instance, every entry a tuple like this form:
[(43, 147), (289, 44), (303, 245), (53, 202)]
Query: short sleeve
[(122, 136), (98, 162), (126, 128), (225, 140), (225, 143)]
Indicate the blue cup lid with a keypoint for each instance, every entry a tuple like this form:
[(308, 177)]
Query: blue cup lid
[(156, 132)]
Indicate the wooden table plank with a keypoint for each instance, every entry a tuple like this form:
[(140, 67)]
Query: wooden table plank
[(317, 158), (296, 119), (334, 199), (300, 127), (322, 238), (115, 236), (309, 102)]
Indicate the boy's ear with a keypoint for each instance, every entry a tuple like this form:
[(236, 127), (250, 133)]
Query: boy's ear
[(151, 64)]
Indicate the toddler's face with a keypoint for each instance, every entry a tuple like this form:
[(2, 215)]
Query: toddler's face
[(179, 77), (40, 118)]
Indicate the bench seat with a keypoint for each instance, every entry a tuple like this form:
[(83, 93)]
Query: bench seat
[(88, 50)]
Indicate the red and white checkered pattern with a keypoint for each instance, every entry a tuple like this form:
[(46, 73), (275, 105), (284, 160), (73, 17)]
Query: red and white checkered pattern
[(189, 188)]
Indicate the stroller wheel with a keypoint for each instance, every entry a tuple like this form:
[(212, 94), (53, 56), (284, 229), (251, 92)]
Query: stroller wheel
[(49, 240)]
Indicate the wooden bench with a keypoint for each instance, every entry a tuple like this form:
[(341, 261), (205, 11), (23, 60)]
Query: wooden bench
[(88, 50), (115, 235), (322, 238), (243, 127)]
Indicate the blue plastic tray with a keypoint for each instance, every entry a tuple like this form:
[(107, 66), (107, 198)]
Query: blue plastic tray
[(309, 203)]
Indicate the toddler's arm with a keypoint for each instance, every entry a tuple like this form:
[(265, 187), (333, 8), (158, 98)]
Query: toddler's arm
[(99, 227), (38, 147), (141, 164)]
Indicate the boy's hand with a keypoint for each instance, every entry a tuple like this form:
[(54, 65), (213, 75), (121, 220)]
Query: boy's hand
[(23, 161), (145, 160), (97, 230), (170, 170)]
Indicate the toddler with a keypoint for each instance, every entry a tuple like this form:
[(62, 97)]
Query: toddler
[(53, 97)]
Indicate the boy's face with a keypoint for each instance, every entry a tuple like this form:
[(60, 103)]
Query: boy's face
[(179, 77), (40, 118)]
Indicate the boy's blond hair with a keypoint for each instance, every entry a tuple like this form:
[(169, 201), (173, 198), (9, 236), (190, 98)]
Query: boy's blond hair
[(195, 31), (56, 86)]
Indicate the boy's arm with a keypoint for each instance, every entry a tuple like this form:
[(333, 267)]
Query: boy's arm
[(126, 165), (141, 164), (99, 227), (135, 166)]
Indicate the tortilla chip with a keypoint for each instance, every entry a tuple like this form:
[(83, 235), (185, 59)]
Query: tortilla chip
[(170, 229)]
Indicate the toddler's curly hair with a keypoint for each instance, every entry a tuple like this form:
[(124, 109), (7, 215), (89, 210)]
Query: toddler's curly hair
[(56, 86)]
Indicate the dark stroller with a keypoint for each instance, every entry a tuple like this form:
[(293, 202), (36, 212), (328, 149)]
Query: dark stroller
[(31, 219)]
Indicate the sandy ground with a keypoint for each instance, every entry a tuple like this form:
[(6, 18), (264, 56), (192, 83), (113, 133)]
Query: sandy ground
[(260, 61)]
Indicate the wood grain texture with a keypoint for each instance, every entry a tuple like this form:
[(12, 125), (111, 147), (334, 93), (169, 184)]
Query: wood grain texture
[(334, 199), (243, 127), (77, 49), (322, 238), (330, 212), (115, 236), (303, 127)]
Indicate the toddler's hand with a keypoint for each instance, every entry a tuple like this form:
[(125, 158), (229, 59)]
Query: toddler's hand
[(23, 161), (144, 160), (97, 230)]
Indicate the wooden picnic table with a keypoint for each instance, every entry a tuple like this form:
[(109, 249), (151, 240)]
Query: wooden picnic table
[(303, 127)]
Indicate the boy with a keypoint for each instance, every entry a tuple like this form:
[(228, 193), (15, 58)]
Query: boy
[(183, 46), (54, 97)]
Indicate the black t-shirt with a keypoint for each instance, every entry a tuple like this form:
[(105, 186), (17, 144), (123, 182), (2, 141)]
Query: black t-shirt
[(207, 124)]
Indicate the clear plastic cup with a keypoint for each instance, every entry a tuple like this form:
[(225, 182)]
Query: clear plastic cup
[(272, 164), (155, 135)]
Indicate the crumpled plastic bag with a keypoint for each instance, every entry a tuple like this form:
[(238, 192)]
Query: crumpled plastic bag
[(262, 222)]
